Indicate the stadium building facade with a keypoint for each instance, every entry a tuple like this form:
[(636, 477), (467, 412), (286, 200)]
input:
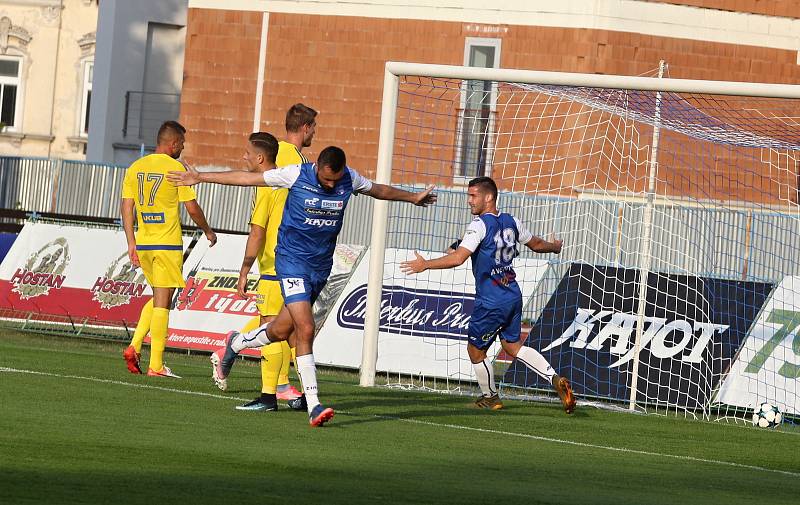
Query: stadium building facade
[(331, 56), (47, 52)]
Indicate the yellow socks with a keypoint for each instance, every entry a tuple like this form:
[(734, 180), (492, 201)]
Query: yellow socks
[(283, 378), (271, 364), (158, 337), (143, 326)]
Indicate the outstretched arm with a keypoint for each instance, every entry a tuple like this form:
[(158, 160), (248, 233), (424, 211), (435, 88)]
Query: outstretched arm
[(196, 213), (232, 178), (420, 264), (384, 192)]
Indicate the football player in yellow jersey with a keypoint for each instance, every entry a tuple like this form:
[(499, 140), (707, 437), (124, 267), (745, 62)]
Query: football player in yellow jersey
[(266, 219), (157, 246)]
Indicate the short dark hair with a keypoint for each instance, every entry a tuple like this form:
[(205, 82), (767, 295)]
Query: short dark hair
[(266, 143), (169, 128), (298, 116), (486, 184), (332, 157)]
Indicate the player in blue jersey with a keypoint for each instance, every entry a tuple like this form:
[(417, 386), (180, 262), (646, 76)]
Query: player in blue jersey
[(312, 220), (491, 241)]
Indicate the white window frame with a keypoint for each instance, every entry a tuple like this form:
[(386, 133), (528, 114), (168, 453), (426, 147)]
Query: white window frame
[(18, 82), (86, 87), (469, 43)]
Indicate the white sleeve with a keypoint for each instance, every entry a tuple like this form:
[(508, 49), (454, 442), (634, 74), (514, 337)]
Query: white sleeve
[(282, 177), (525, 235), (476, 231), (360, 183)]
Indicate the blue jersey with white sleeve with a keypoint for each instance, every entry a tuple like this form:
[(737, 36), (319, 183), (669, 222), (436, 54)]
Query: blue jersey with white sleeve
[(312, 217), (493, 239)]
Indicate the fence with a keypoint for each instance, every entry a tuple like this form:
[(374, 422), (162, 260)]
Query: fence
[(92, 189)]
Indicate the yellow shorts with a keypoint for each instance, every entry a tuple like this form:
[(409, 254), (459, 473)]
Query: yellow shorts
[(162, 269), (269, 299)]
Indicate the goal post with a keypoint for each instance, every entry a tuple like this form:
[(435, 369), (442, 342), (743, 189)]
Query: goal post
[(576, 153)]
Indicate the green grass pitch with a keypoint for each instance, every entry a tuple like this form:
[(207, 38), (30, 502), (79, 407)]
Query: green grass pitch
[(76, 427)]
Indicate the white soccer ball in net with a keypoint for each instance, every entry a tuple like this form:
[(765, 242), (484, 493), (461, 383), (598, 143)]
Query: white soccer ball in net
[(767, 415)]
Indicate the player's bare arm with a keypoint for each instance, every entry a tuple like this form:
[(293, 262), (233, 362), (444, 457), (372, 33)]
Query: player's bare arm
[(540, 245), (233, 178), (420, 264), (384, 192), (127, 211), (196, 213), (254, 242)]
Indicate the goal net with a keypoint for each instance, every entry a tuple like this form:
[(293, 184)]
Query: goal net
[(678, 287)]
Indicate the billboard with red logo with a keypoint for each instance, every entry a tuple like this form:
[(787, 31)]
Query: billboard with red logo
[(72, 271)]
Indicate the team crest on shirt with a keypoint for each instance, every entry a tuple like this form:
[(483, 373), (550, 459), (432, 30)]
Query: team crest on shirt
[(43, 271), (119, 284)]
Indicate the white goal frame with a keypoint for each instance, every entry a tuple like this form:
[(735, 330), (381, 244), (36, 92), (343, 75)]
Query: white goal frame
[(391, 81)]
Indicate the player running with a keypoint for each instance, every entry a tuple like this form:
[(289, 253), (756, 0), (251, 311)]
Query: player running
[(263, 238), (157, 245), (491, 240), (318, 196)]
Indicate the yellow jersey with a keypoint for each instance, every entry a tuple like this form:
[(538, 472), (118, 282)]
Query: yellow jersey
[(156, 201), (268, 206)]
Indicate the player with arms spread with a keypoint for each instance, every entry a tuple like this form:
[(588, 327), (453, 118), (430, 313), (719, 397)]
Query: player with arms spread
[(313, 217), (157, 246), (491, 241), (265, 220)]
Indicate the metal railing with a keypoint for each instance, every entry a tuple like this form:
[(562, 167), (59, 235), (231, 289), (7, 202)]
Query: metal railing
[(93, 189)]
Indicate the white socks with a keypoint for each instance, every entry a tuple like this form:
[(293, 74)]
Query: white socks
[(532, 359), (485, 374), (251, 339), (307, 371)]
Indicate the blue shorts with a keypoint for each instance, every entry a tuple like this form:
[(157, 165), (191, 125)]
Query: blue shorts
[(302, 287), (487, 323)]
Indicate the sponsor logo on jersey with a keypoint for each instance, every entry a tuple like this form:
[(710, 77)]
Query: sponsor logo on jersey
[(153, 217), (321, 222), (321, 212), (120, 283), (311, 202), (332, 204), (43, 271), (408, 311)]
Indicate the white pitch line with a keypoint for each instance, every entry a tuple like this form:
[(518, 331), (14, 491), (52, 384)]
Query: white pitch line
[(121, 383), (592, 446), (429, 423)]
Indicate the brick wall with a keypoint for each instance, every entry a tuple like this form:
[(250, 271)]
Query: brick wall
[(220, 72), (335, 64)]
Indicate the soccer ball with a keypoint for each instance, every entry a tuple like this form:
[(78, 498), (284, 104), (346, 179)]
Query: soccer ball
[(767, 415)]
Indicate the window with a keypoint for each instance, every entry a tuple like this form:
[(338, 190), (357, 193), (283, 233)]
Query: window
[(478, 100), (86, 102), (9, 86)]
